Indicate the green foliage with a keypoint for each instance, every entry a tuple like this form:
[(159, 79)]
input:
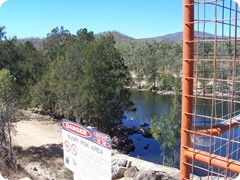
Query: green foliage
[(148, 61), (86, 82), (166, 81), (105, 77), (166, 130), (8, 106), (55, 43)]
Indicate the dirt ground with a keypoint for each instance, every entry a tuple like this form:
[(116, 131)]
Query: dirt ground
[(38, 139), (36, 130)]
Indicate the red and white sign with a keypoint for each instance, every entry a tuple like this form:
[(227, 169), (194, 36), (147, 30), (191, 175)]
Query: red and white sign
[(87, 152), (74, 149), (67, 146), (101, 136), (77, 129), (101, 142)]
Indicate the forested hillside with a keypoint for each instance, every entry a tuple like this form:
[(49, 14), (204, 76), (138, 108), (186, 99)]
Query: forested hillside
[(84, 76)]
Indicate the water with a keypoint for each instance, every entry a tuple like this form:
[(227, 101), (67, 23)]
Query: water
[(149, 105)]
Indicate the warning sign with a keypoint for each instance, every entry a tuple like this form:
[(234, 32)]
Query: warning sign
[(87, 152)]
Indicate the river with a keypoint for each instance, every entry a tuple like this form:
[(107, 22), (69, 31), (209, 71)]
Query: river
[(149, 105)]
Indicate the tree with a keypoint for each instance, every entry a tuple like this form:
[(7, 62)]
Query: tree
[(166, 81), (2, 33), (55, 43), (105, 97), (166, 130), (87, 82), (152, 64), (8, 108)]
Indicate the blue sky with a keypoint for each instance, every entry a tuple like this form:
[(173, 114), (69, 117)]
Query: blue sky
[(135, 18)]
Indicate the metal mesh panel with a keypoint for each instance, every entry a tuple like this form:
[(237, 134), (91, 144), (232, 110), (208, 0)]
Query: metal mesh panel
[(211, 89)]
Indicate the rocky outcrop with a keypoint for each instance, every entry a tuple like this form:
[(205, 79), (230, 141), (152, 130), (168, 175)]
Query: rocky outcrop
[(146, 132), (123, 144), (126, 167), (121, 140), (143, 124)]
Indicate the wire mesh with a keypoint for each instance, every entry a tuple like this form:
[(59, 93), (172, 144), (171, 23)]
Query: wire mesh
[(212, 90)]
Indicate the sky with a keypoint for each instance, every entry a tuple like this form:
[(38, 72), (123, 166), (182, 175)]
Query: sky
[(135, 18)]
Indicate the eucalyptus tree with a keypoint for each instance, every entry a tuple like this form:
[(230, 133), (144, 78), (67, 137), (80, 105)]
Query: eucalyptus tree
[(55, 42), (105, 76), (166, 129), (134, 54), (8, 108), (152, 64)]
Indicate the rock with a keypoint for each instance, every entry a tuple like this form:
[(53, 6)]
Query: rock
[(143, 124), (163, 175), (123, 144), (150, 175), (143, 166), (115, 151), (119, 166), (118, 173), (146, 147), (35, 169), (146, 132), (119, 162), (131, 172)]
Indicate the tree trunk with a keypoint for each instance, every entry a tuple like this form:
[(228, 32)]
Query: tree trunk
[(3, 139), (10, 143)]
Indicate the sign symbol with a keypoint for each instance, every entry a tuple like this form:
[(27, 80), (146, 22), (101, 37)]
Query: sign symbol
[(74, 149), (67, 146), (67, 160)]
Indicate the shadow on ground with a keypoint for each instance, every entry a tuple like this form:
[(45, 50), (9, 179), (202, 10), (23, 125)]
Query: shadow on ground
[(46, 151)]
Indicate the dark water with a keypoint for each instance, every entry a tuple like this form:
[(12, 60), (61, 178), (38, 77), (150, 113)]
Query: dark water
[(149, 105)]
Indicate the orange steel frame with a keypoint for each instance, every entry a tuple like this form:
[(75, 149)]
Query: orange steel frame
[(188, 153)]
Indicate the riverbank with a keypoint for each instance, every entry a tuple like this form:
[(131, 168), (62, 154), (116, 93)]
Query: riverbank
[(37, 141)]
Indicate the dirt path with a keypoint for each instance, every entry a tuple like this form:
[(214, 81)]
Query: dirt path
[(36, 130), (41, 140)]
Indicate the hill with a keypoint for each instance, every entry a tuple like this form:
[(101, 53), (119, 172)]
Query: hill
[(121, 38), (37, 42), (175, 37)]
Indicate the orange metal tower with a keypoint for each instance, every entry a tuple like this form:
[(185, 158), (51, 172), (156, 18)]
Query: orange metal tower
[(210, 133)]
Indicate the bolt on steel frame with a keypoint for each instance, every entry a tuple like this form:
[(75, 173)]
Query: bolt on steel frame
[(210, 132)]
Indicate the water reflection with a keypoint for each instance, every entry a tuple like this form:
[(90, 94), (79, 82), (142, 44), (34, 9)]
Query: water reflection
[(148, 105)]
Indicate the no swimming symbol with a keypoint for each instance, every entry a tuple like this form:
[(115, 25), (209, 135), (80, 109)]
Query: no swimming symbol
[(74, 149), (71, 147), (67, 146)]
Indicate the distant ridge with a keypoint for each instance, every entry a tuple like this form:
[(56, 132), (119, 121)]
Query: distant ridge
[(174, 37), (121, 38)]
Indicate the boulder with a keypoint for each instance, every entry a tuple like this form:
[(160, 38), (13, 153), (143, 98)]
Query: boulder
[(146, 132), (152, 175), (145, 167), (146, 147), (131, 172), (118, 173), (123, 144), (143, 124)]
